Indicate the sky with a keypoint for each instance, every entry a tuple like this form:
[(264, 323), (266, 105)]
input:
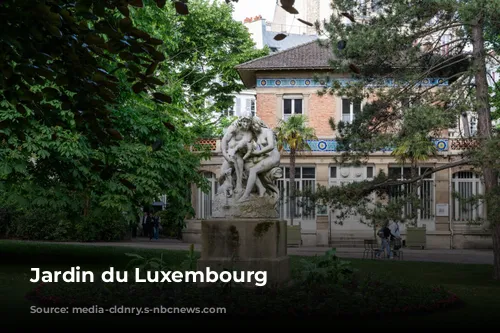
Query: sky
[(251, 8)]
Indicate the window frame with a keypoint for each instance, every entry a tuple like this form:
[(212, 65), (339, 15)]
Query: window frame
[(293, 98), (352, 113), (283, 183), (204, 200), (459, 183), (429, 183)]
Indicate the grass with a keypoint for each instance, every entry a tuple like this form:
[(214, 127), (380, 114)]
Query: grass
[(471, 283)]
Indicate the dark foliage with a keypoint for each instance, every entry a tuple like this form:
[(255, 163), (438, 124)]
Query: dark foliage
[(73, 49)]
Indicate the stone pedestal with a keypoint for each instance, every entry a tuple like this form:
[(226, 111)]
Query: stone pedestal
[(256, 207), (245, 245)]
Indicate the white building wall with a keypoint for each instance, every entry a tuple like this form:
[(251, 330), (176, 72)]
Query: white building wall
[(256, 29)]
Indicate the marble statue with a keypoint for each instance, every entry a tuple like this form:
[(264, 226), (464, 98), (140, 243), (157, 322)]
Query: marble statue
[(236, 140), (265, 157), (250, 167), (245, 230)]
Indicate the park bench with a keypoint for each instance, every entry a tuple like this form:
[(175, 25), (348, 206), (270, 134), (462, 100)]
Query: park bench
[(371, 248)]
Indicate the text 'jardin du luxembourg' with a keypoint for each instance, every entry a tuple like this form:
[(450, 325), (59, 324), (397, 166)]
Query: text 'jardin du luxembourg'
[(75, 275)]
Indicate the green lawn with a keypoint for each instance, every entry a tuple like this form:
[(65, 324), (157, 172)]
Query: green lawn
[(472, 283)]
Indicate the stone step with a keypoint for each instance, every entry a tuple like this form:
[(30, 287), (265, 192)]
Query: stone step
[(343, 235), (353, 243), (351, 239)]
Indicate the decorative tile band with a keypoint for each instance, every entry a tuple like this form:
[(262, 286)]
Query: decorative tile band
[(290, 83), (441, 144), (464, 144), (329, 145)]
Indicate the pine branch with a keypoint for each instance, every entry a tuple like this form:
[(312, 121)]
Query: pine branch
[(489, 54), (428, 172)]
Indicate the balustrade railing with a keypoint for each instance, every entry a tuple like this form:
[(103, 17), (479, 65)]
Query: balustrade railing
[(443, 145)]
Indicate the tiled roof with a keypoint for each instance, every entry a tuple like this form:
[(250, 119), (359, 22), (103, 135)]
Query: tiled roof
[(310, 55)]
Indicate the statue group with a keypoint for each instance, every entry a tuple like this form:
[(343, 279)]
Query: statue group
[(245, 231), (251, 162)]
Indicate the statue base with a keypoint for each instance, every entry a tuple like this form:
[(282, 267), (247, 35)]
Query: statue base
[(244, 246), (254, 207)]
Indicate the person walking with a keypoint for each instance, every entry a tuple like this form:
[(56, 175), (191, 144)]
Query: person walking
[(156, 227), (395, 236), (385, 235), (144, 232), (148, 226)]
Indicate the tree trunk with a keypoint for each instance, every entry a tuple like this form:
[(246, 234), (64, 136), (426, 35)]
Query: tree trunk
[(496, 254), (292, 185), (484, 127), (414, 193)]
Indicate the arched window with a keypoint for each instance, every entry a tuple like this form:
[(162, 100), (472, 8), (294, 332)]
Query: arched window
[(204, 200), (466, 185)]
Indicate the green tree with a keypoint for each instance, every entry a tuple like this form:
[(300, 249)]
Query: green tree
[(294, 134), (402, 41), (60, 159), (413, 145), (202, 49), (59, 45)]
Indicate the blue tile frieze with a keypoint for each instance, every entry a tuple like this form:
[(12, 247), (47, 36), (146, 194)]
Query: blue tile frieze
[(310, 82), (330, 145), (441, 144)]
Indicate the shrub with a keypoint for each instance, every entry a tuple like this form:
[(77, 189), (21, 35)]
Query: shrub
[(38, 224), (5, 221), (48, 225), (328, 269), (102, 225), (171, 224)]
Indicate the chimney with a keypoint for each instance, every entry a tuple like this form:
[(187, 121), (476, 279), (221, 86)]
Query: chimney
[(252, 19)]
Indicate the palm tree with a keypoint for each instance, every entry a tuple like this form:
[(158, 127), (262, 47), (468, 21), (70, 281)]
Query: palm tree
[(414, 148), (294, 133)]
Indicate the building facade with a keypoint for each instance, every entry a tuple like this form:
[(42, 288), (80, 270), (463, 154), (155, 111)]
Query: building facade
[(285, 84), (263, 36)]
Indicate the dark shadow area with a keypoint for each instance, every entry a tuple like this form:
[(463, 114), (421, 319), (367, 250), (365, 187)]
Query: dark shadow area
[(350, 293)]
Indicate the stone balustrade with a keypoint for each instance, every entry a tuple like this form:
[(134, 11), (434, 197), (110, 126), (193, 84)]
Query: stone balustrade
[(443, 145)]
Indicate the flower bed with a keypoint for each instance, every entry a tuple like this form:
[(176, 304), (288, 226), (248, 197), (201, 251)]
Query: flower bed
[(367, 298)]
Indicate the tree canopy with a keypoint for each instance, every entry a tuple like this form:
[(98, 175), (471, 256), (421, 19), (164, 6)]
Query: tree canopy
[(421, 65), (98, 97)]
